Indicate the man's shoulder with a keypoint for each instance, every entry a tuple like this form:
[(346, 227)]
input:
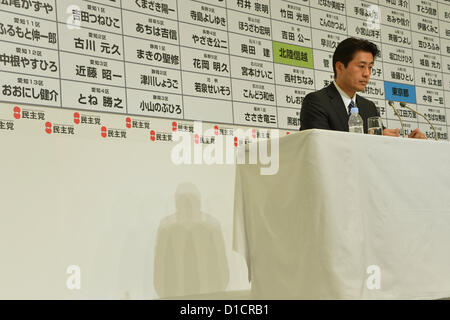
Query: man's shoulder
[(365, 101), (318, 94), (367, 106)]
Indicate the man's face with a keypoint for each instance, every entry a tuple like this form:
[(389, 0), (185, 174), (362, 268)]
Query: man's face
[(357, 74)]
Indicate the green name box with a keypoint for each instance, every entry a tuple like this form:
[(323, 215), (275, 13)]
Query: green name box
[(293, 55)]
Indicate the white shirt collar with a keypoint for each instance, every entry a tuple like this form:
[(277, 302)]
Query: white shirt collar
[(345, 98)]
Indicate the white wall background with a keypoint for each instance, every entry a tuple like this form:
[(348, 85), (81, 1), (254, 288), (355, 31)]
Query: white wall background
[(98, 203)]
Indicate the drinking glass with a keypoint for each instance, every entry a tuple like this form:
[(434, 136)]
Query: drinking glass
[(375, 126)]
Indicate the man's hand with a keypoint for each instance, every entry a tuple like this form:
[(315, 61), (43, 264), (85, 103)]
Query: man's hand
[(417, 134), (391, 132)]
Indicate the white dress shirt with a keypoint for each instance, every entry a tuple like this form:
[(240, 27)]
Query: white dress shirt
[(345, 97)]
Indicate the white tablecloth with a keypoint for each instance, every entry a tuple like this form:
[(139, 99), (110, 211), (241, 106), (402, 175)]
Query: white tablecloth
[(340, 203)]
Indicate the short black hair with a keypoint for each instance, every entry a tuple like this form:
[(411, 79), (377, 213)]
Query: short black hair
[(345, 51)]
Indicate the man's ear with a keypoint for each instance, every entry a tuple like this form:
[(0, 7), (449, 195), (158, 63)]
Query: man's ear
[(339, 67)]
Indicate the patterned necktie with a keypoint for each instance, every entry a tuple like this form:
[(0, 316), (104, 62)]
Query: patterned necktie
[(350, 106)]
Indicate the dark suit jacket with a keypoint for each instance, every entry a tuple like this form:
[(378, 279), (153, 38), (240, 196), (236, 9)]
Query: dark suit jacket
[(324, 109)]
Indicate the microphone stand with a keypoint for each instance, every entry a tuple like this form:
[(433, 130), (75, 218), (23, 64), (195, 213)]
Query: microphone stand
[(404, 105), (391, 103)]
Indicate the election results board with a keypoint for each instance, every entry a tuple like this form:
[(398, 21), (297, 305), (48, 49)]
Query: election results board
[(238, 62)]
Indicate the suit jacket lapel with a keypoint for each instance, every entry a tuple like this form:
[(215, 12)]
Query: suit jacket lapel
[(337, 104), (362, 112), (359, 105)]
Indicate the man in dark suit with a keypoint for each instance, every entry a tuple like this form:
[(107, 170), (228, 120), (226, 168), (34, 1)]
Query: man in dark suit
[(329, 108)]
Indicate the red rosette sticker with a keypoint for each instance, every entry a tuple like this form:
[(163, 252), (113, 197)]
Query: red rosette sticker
[(254, 133), (48, 127), (174, 126), (128, 122), (216, 130), (104, 132), (152, 135), (235, 141), (16, 112), (76, 118), (196, 139)]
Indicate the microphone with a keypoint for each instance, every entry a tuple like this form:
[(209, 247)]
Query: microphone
[(391, 103), (404, 105)]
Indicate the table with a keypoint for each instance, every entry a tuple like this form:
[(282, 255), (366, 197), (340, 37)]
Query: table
[(347, 216)]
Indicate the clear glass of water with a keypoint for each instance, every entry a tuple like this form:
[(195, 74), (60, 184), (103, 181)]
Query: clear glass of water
[(375, 126)]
